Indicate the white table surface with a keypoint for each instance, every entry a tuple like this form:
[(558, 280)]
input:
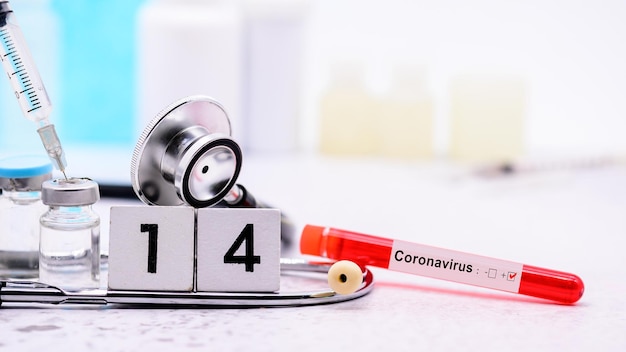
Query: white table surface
[(566, 220)]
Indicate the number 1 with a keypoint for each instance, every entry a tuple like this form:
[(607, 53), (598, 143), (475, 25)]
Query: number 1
[(152, 230)]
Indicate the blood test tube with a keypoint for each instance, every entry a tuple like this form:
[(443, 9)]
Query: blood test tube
[(441, 263)]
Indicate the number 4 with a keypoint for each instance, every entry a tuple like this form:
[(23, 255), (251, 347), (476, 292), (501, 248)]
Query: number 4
[(249, 259)]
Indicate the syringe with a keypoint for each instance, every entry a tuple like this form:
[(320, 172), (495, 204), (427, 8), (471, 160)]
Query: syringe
[(27, 85)]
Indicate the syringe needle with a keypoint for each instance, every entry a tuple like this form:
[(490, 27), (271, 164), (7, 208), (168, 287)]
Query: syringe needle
[(53, 147), (62, 169)]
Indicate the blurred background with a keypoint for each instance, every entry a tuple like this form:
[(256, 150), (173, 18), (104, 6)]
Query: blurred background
[(477, 81), (373, 116)]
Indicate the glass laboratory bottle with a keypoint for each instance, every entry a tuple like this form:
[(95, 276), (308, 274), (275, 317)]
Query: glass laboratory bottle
[(69, 249), (20, 208), (190, 46)]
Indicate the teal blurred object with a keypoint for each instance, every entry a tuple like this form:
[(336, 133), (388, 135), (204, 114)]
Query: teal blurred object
[(97, 70)]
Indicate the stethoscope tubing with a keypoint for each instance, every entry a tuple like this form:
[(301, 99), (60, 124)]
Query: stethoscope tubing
[(35, 292)]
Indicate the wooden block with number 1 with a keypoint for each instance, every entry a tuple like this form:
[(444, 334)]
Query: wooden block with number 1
[(151, 248)]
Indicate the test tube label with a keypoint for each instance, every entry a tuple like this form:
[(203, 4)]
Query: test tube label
[(238, 250), (151, 248), (455, 266)]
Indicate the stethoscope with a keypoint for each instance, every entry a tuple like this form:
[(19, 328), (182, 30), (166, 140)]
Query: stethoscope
[(186, 156)]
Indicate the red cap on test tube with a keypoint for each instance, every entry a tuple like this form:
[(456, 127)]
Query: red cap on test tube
[(441, 263)]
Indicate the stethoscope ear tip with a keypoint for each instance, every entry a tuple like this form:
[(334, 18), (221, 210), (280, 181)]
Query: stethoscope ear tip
[(345, 277)]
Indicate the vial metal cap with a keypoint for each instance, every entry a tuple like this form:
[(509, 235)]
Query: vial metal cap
[(70, 192), (24, 172)]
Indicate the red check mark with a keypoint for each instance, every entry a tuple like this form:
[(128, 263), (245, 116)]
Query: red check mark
[(512, 276)]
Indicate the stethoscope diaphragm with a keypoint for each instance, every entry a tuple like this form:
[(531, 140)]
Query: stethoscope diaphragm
[(185, 155)]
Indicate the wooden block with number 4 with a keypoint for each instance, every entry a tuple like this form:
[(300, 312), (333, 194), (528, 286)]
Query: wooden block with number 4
[(238, 250), (151, 248)]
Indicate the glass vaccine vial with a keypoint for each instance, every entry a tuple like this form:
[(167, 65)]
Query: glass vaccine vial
[(20, 209), (69, 249)]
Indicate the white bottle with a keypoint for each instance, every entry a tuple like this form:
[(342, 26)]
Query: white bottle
[(274, 44), (188, 47)]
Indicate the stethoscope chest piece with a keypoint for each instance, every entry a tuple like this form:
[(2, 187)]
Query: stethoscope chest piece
[(185, 155)]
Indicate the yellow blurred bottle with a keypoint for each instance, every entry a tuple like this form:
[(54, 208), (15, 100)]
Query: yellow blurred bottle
[(406, 114), (348, 116), (487, 118), (356, 122)]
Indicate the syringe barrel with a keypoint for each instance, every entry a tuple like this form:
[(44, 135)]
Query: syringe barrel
[(17, 62), (27, 84)]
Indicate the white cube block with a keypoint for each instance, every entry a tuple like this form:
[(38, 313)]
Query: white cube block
[(238, 250), (151, 248)]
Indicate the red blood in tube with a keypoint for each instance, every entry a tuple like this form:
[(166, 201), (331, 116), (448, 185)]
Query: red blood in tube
[(551, 284), (373, 250), (339, 244)]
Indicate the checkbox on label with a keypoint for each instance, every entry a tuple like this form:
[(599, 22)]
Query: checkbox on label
[(512, 275), (492, 273)]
